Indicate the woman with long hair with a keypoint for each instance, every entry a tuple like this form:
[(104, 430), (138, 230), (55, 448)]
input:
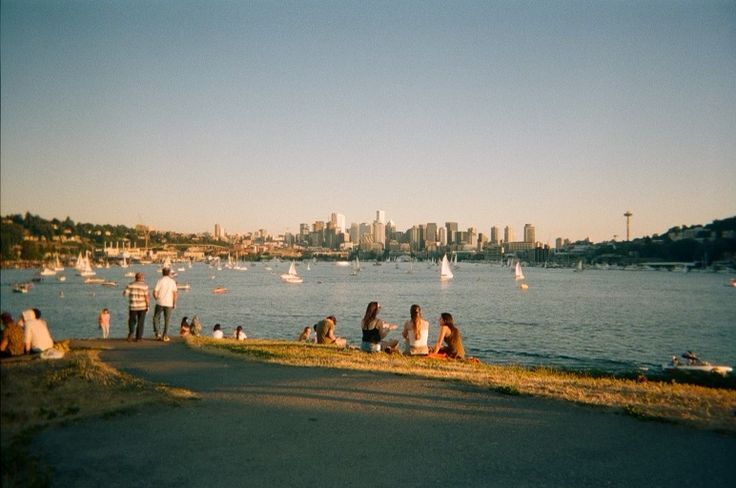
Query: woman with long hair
[(416, 333), (452, 337), (375, 330)]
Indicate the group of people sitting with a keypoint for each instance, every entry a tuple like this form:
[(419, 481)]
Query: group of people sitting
[(375, 331), (27, 335)]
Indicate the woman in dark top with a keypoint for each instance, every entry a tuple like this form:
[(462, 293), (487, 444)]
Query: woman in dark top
[(452, 337)]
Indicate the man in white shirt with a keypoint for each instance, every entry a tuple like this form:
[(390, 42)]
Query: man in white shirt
[(36, 333), (165, 295)]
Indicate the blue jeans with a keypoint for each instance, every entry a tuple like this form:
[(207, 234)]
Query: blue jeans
[(136, 320), (157, 319)]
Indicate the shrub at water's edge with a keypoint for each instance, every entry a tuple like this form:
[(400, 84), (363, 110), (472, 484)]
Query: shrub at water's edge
[(699, 406)]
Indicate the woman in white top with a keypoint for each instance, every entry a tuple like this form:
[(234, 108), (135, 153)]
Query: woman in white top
[(217, 332), (239, 334), (416, 333)]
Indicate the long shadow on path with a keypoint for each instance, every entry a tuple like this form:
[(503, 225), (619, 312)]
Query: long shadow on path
[(275, 426)]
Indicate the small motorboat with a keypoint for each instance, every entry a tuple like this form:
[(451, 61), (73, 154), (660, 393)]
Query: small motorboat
[(22, 287), (183, 286), (94, 281), (693, 364), (109, 283), (219, 290)]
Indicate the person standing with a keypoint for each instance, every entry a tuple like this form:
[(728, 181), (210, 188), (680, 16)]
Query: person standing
[(137, 293), (104, 322), (165, 295)]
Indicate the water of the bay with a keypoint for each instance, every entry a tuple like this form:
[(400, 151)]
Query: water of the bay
[(610, 320)]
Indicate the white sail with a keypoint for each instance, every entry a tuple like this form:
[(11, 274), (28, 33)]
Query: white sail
[(291, 276), (518, 273), (445, 272), (58, 266), (124, 264)]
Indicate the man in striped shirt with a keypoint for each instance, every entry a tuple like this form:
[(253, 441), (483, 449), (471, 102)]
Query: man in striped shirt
[(137, 293)]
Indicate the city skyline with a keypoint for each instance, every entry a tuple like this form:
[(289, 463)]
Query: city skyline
[(179, 115)]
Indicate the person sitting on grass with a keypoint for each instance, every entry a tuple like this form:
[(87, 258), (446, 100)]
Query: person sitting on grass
[(305, 335), (451, 335), (326, 332), (217, 332), (375, 331), (36, 337), (12, 343), (416, 333), (239, 334), (184, 327)]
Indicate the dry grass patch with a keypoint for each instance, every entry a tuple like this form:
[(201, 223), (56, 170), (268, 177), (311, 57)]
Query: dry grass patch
[(37, 393), (698, 406)]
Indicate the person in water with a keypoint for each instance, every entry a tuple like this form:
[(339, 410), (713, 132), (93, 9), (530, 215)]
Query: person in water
[(375, 331), (452, 337), (416, 333)]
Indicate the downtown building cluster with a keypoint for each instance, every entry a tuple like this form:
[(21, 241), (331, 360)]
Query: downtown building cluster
[(382, 238)]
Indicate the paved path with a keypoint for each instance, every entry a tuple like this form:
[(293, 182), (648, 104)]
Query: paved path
[(273, 426)]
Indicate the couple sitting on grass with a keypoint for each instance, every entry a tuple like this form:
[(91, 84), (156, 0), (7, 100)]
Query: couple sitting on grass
[(415, 334)]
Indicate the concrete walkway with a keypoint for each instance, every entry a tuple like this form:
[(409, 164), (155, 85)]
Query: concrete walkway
[(273, 426)]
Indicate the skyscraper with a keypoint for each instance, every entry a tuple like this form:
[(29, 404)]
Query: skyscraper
[(529, 233), (381, 216), (451, 230), (508, 234), (379, 233), (494, 234), (431, 233), (338, 221), (218, 232)]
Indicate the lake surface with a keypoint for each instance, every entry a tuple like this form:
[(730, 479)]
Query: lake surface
[(609, 320)]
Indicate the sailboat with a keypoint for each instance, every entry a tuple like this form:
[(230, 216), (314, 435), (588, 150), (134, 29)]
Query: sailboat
[(57, 265), (445, 272), (124, 264), (291, 276), (356, 266), (579, 266), (85, 268), (454, 261), (519, 276)]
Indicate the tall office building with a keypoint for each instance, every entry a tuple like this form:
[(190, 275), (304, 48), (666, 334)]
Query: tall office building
[(338, 221), (379, 233), (355, 233), (430, 232), (472, 236), (218, 232), (508, 234), (494, 235), (381, 216), (529, 233), (451, 230), (442, 236)]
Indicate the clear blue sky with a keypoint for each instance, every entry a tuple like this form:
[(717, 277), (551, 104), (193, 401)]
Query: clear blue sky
[(181, 114)]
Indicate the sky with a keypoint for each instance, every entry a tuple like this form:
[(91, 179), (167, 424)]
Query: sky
[(263, 115)]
